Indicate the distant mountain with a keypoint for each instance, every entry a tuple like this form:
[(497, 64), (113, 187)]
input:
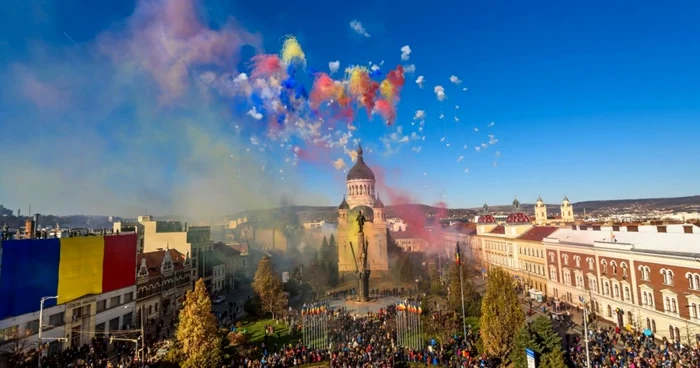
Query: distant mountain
[(677, 204)]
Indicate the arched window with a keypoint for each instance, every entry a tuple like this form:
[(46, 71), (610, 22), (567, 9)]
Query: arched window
[(693, 311), (696, 281), (627, 293), (565, 257), (648, 324), (609, 311), (646, 298), (670, 333), (613, 264), (629, 318), (603, 266), (653, 326), (678, 334), (623, 265), (577, 259), (606, 288), (673, 305), (616, 290), (667, 304)]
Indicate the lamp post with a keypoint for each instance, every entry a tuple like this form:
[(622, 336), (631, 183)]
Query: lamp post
[(143, 339), (41, 325)]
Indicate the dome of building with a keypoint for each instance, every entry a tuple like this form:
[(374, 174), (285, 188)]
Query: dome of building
[(378, 203), (486, 219), (366, 210), (360, 170), (518, 218)]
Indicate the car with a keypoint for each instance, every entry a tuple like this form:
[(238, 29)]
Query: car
[(219, 299)]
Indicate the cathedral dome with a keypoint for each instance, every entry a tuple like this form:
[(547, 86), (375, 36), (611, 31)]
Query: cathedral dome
[(360, 171), (518, 218)]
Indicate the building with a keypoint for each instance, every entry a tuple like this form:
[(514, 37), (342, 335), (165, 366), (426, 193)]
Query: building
[(362, 199), (566, 214), (531, 260), (218, 283), (192, 241), (162, 281), (636, 276), (92, 280), (409, 241)]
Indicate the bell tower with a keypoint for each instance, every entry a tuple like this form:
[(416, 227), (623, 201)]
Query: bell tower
[(567, 211), (540, 212)]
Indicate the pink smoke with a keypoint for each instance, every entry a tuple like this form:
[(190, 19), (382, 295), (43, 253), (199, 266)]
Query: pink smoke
[(413, 216), (166, 39), (40, 93)]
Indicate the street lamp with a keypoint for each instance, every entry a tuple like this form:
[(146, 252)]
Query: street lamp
[(41, 326), (143, 340)]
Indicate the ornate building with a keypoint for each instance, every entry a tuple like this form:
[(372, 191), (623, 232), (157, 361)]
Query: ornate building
[(162, 280), (361, 197)]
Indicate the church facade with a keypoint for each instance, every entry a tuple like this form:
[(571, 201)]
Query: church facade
[(361, 197)]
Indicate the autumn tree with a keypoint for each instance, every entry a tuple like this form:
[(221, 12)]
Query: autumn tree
[(501, 314), (197, 335), (268, 286)]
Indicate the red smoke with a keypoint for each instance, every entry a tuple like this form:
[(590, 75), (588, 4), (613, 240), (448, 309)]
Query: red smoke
[(412, 215)]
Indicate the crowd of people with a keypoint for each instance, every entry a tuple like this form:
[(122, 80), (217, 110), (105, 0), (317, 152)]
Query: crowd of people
[(613, 348)]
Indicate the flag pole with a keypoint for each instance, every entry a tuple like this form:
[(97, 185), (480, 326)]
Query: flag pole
[(461, 286)]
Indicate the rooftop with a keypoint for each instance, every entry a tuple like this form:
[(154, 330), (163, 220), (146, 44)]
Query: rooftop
[(537, 233), (154, 260), (499, 229), (645, 238)]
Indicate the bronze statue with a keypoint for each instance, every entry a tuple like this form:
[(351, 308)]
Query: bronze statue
[(361, 220)]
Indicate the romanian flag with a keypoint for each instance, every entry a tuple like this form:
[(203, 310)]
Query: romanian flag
[(420, 310), (457, 256), (68, 267)]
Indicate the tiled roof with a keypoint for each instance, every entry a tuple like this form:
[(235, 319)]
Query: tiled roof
[(154, 260), (243, 248), (486, 219), (227, 249), (537, 233), (500, 229), (518, 218)]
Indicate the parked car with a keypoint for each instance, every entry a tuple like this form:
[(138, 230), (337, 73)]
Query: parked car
[(219, 299)]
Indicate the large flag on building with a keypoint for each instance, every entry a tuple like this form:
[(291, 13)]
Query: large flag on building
[(68, 267)]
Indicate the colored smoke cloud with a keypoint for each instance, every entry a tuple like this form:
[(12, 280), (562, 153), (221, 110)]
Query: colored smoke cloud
[(123, 124)]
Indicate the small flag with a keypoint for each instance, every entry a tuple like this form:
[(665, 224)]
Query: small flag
[(457, 258)]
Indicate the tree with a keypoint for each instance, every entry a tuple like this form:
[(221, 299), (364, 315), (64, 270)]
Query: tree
[(326, 251), (334, 248), (540, 337), (407, 273), (316, 275), (197, 333), (501, 315), (18, 351), (268, 286)]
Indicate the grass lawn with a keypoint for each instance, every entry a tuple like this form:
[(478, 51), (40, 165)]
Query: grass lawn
[(256, 332)]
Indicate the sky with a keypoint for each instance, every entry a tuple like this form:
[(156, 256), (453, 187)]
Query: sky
[(124, 108)]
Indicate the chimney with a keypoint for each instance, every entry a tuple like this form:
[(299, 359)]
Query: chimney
[(688, 229), (661, 228), (632, 228)]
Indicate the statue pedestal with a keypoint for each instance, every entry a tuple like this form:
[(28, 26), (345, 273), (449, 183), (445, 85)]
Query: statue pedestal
[(363, 277)]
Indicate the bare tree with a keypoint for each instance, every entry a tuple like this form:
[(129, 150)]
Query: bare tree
[(18, 351)]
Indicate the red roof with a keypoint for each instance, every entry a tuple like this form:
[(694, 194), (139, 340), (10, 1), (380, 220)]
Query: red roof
[(242, 248), (537, 233), (500, 229), (154, 261), (518, 218), (486, 219)]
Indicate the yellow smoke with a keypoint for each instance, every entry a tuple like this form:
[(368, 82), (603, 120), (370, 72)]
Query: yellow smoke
[(292, 52)]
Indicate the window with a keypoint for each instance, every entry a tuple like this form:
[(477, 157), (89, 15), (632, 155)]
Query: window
[(114, 302), (613, 264), (589, 260), (100, 328), (606, 288), (627, 293), (101, 305), (128, 297), (616, 289), (552, 273), (9, 333), (579, 280), (113, 324), (674, 309), (693, 310), (57, 319), (623, 265), (603, 266), (653, 326), (565, 257), (577, 259), (644, 271), (667, 276), (567, 277), (693, 281), (667, 304), (551, 257), (592, 284), (645, 297), (32, 327)]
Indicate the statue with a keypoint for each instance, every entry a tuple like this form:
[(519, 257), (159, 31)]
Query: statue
[(361, 219)]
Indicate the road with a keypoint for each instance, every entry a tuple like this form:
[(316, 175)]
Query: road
[(236, 296)]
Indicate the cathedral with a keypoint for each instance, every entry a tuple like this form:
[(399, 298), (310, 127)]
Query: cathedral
[(361, 197)]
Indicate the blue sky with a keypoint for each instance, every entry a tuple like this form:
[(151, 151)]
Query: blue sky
[(595, 100)]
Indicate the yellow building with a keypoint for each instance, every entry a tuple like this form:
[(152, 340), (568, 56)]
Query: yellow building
[(362, 198)]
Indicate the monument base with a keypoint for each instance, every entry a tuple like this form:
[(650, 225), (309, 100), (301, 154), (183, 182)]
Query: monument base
[(363, 287)]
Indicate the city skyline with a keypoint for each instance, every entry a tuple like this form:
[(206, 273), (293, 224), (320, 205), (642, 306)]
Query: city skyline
[(591, 110)]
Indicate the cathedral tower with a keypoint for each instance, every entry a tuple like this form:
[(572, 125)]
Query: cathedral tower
[(567, 211), (361, 197), (540, 212)]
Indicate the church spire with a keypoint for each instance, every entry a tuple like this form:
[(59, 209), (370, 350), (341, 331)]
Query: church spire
[(359, 153)]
